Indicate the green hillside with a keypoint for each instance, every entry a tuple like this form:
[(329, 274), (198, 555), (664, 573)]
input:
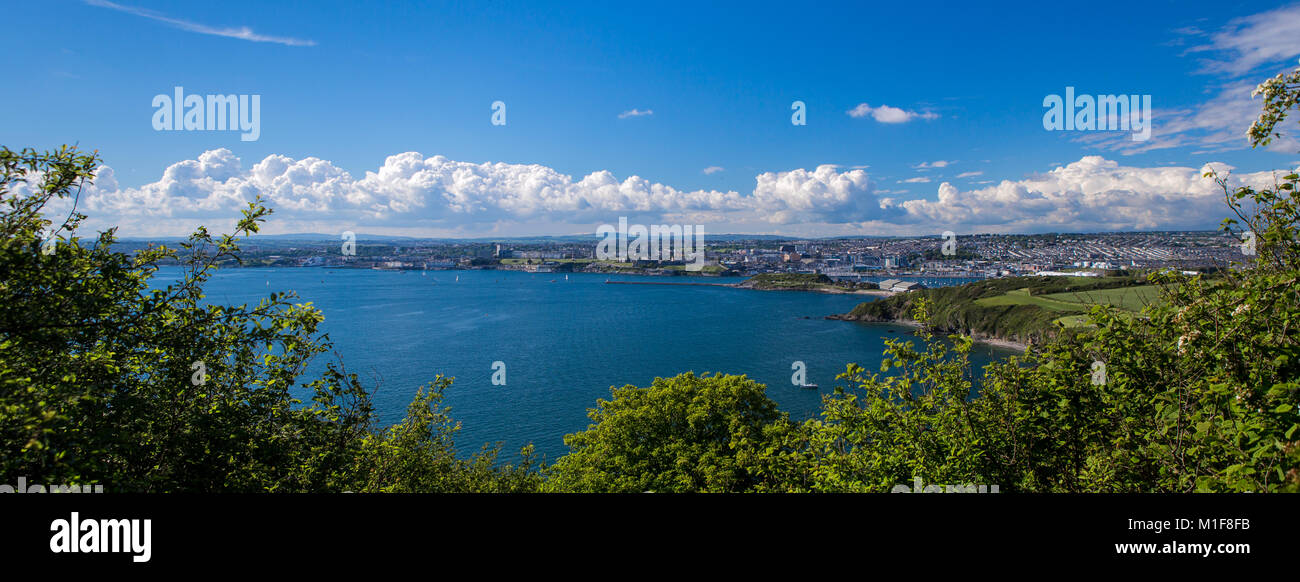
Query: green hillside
[(1021, 309)]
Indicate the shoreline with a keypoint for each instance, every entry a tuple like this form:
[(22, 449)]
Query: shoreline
[(832, 291), (993, 341), (829, 289)]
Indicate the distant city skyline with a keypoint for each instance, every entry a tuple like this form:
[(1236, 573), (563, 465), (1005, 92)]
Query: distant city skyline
[(517, 120)]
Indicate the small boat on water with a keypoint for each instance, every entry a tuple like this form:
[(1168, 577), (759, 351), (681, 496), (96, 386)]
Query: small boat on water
[(810, 386)]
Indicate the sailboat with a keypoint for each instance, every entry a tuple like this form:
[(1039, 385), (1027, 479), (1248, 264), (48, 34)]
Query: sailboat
[(566, 277), (457, 278)]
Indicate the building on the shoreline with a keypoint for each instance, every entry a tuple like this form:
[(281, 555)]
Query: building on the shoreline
[(900, 286)]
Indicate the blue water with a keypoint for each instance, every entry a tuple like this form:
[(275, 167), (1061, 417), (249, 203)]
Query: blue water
[(564, 343)]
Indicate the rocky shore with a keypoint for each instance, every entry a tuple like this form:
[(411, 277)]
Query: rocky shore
[(977, 336)]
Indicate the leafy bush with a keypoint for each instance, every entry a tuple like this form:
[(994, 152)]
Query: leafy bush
[(686, 433)]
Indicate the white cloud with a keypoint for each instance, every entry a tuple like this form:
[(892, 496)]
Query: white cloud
[(970, 174), (412, 193), (635, 113), (916, 180), (242, 33), (1091, 194), (1260, 40), (434, 196), (713, 169), (887, 114), (934, 164)]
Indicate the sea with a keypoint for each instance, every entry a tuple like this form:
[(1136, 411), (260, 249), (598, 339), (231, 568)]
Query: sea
[(560, 342)]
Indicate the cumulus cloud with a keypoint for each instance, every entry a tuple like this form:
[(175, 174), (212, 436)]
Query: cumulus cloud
[(713, 169), (415, 195), (887, 114), (1091, 194), (635, 113), (412, 193), (822, 195)]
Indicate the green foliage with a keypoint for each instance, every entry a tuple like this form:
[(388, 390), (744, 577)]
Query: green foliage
[(680, 434), (418, 455), (788, 280), (802, 282), (914, 422)]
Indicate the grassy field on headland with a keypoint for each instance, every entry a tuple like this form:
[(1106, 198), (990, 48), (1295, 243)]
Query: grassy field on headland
[(1018, 310)]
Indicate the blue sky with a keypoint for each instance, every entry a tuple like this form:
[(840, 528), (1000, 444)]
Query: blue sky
[(347, 85)]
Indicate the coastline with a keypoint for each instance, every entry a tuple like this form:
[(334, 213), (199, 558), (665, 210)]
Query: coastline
[(828, 289), (980, 338)]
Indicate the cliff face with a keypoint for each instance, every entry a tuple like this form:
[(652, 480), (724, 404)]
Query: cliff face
[(1005, 338)]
